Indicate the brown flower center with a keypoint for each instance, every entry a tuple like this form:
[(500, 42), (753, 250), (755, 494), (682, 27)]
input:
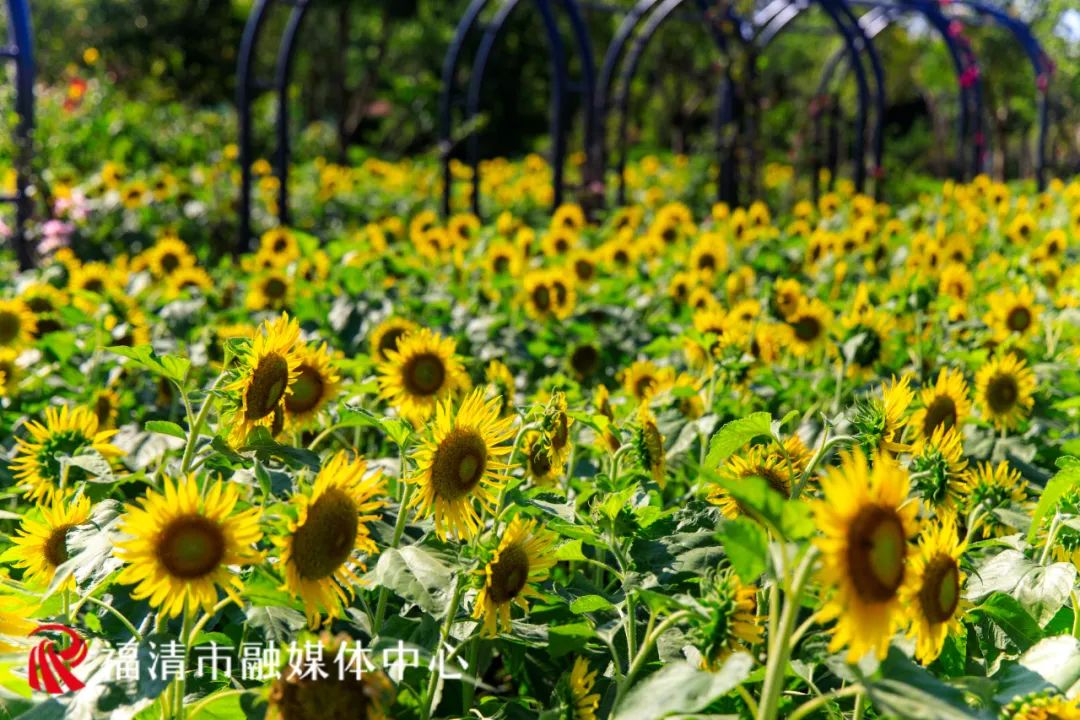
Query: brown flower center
[(327, 538), (876, 553), (307, 391), (56, 553), (1018, 319), (1002, 392), (458, 464), (267, 386), (424, 374), (508, 574), (940, 592), (191, 547), (940, 412)]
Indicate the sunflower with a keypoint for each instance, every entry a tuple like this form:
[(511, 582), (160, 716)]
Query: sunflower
[(946, 404), (501, 381), (187, 279), (168, 255), (360, 692), (709, 256), (319, 552), (271, 291), (280, 245), (559, 242), (809, 324), (557, 424), (540, 465), (758, 461), (422, 372), (317, 383), (568, 216), (867, 522), (67, 432), (1021, 229), (989, 488), (896, 398), (45, 301), (649, 444), (41, 547), (265, 374), (870, 335), (932, 598), (521, 561), (1003, 390), (730, 622), (549, 295), (386, 336), (1042, 707), (583, 702), (1013, 314), (643, 379), (502, 259), (461, 463), (106, 404), (10, 372), (939, 464), (17, 324), (787, 296), (181, 545)]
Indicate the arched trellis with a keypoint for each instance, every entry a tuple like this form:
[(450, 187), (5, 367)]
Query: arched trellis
[(969, 101), (20, 51), (560, 92), (249, 87)]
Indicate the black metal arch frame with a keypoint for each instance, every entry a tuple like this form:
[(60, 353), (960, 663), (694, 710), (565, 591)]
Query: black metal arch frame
[(249, 88), (20, 51), (560, 91)]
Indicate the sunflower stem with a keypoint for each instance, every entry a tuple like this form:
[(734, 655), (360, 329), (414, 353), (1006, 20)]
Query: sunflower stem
[(780, 650), (1050, 538), (468, 690), (448, 623), (195, 426), (811, 705), (642, 656), (1076, 615), (118, 615), (860, 706), (399, 530), (818, 457)]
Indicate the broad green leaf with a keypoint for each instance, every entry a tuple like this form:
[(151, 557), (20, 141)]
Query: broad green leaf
[(416, 575), (905, 690), (735, 434), (566, 639), (278, 624), (746, 545), (1065, 480), (1053, 663), (264, 446), (570, 551), (680, 687), (1007, 613), (166, 428), (590, 603), (1040, 590)]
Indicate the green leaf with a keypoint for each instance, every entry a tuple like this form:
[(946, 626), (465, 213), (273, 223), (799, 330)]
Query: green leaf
[(1050, 663), (735, 434), (60, 345), (1041, 591), (166, 428), (416, 575), (746, 545), (1007, 613), (680, 687), (590, 603), (570, 551), (905, 690), (565, 639), (265, 447), (1065, 480), (279, 624)]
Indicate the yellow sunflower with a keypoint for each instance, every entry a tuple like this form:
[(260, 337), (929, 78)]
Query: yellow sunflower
[(809, 323), (643, 379), (422, 372), (386, 336), (1003, 390), (946, 404), (522, 560), (731, 622), (271, 291), (181, 545), (764, 462), (1013, 314), (41, 546), (17, 324), (1043, 707), (67, 432), (188, 279), (540, 465), (280, 245), (317, 383), (939, 464), (649, 444), (866, 520), (896, 397), (462, 464), (932, 598), (168, 255), (988, 488), (583, 701), (106, 404), (10, 372), (265, 375), (319, 553)]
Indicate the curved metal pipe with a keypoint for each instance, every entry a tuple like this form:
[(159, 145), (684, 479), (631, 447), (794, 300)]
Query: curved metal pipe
[(21, 38), (282, 77)]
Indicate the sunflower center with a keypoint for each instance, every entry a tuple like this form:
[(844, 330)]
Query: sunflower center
[(644, 385), (94, 285), (875, 555), (425, 374), (169, 262), (56, 553), (458, 464), (869, 350), (1002, 393), (583, 269), (307, 391), (1018, 319), (539, 461), (585, 359), (326, 539), (501, 264), (267, 386), (103, 408), (65, 443), (807, 328), (9, 327), (560, 436), (508, 574), (275, 288), (40, 304), (541, 296), (706, 262), (940, 592), (940, 412), (191, 547), (325, 698), (389, 340), (776, 481)]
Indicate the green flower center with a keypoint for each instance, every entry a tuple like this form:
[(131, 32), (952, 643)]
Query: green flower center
[(940, 592), (191, 547), (876, 552), (458, 464)]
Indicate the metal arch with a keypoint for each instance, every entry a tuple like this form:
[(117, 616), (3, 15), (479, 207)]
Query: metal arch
[(20, 50), (248, 88), (663, 10), (1041, 65)]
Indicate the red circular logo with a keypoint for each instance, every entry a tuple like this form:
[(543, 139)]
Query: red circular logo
[(50, 666)]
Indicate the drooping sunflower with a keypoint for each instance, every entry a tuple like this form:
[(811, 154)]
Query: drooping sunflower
[(540, 465), (181, 545), (557, 424), (1003, 390), (422, 372), (988, 488), (17, 324), (355, 693), (939, 464), (581, 700), (462, 464), (866, 520), (264, 376), (946, 404), (317, 383), (649, 444), (320, 552), (522, 560), (730, 623), (386, 336), (66, 432), (1013, 314), (41, 546), (933, 597)]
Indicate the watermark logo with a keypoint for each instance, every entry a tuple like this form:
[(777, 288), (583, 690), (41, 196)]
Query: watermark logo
[(51, 666)]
